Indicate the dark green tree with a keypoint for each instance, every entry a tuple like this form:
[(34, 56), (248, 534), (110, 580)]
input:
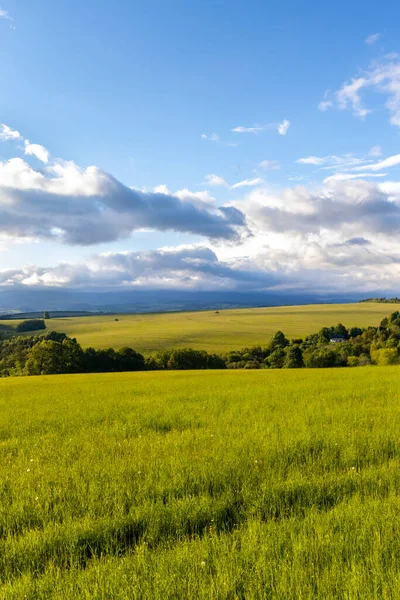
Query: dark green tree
[(278, 341), (293, 358)]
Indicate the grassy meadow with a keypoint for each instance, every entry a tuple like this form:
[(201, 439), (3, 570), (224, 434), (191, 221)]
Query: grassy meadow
[(201, 485), (228, 330)]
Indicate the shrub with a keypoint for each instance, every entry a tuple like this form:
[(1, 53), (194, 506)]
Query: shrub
[(31, 325)]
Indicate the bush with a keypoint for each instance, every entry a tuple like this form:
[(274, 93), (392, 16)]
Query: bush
[(353, 361), (31, 325), (385, 356)]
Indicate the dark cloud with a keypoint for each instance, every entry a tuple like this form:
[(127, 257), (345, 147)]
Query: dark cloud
[(357, 241)]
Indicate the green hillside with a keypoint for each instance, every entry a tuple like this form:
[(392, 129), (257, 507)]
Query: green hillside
[(227, 330), (216, 485)]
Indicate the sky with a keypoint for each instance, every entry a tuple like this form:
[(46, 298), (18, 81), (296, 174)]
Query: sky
[(200, 145)]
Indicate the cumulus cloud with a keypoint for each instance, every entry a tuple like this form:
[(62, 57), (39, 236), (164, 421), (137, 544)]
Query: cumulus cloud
[(187, 267), (339, 207), (89, 206), (372, 38), (283, 127), (7, 134), (37, 150), (383, 76), (356, 263), (84, 206)]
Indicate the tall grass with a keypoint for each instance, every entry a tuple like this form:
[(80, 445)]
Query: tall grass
[(270, 484)]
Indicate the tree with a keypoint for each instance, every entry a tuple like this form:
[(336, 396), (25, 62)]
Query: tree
[(277, 358), (293, 358), (324, 335), (46, 315), (320, 358), (278, 341), (45, 358), (341, 331), (129, 360), (355, 332), (385, 356)]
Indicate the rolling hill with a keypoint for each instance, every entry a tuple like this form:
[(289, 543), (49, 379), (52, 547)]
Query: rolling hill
[(212, 330)]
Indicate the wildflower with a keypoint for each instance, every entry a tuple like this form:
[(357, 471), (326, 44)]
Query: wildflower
[(203, 564), (27, 470)]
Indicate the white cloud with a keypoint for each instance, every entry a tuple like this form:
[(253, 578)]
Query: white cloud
[(371, 39), (213, 137), (255, 129), (190, 267), (6, 133), (37, 150), (269, 165), (375, 151), (312, 160), (4, 14), (343, 161), (383, 76), (391, 161), (337, 208), (347, 176), (324, 105), (83, 206), (326, 102), (306, 264), (283, 127), (216, 181), (247, 183)]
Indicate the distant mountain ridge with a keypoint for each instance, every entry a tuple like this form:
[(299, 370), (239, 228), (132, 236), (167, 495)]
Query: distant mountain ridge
[(144, 301)]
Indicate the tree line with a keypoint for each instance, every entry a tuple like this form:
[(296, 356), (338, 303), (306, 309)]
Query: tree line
[(394, 300), (337, 346)]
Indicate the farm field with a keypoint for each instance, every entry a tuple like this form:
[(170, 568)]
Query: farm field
[(201, 485), (228, 330)]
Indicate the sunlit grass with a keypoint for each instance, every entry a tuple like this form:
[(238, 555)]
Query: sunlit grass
[(227, 330), (270, 484)]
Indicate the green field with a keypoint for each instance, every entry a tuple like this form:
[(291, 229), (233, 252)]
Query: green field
[(228, 330), (217, 485)]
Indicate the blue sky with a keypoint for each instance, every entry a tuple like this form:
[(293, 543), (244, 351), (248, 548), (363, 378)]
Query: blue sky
[(151, 94)]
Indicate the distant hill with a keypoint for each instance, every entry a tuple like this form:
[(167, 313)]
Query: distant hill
[(215, 331), (60, 314), (144, 301)]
